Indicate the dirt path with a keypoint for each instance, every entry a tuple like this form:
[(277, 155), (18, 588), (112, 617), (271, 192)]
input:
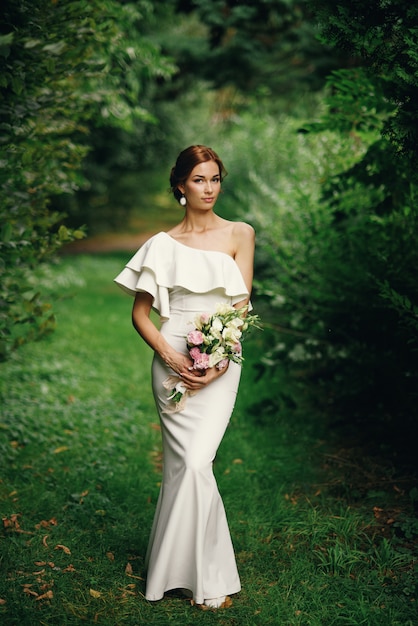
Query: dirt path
[(108, 242)]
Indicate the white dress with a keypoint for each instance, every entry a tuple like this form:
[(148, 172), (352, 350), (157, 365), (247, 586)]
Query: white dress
[(190, 545)]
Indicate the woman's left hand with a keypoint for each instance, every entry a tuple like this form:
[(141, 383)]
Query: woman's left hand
[(197, 379)]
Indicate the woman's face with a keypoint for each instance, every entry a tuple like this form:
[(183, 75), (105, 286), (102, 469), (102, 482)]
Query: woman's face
[(203, 185)]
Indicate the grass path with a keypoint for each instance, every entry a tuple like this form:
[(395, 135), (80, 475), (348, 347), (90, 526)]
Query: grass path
[(80, 461)]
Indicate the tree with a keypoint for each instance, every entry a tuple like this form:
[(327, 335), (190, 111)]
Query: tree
[(383, 33), (352, 296), (265, 48), (62, 65)]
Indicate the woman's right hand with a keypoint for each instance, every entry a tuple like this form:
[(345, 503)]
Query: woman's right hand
[(180, 363)]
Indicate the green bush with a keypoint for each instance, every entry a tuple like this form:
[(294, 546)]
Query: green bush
[(61, 65), (336, 216), (334, 265)]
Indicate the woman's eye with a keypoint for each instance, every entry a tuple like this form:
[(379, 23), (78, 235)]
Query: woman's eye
[(201, 180)]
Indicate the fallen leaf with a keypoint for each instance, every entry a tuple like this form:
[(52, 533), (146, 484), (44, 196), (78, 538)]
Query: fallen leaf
[(46, 523), (46, 596), (44, 540), (2, 601), (63, 548), (11, 522), (126, 592), (128, 569), (94, 593), (70, 568), (110, 556), (61, 449), (292, 499), (238, 461), (40, 563), (30, 592), (42, 571)]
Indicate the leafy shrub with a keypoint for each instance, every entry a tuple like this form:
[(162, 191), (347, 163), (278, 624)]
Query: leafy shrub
[(62, 64), (334, 263)]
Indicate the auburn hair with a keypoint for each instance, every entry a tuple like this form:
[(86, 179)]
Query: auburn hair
[(187, 161)]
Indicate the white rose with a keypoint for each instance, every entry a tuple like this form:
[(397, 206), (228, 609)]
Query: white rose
[(217, 356), (216, 327), (231, 335), (201, 320), (223, 308), (237, 322)]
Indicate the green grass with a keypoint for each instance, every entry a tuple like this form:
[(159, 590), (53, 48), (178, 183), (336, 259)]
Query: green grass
[(80, 459)]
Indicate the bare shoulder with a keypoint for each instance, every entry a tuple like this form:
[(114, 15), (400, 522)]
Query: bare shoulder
[(243, 233)]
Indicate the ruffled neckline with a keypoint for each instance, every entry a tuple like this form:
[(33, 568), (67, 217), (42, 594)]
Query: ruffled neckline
[(163, 263)]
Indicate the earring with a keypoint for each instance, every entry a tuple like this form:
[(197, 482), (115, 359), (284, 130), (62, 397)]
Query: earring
[(183, 200)]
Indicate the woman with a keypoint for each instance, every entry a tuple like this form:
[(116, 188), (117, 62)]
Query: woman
[(202, 261)]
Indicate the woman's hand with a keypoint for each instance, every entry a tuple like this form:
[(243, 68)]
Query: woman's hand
[(192, 378), (197, 379), (180, 363)]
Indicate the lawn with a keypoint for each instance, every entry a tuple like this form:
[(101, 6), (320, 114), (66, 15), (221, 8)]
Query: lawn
[(80, 469)]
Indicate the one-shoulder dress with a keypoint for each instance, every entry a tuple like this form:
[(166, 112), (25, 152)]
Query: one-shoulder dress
[(190, 545)]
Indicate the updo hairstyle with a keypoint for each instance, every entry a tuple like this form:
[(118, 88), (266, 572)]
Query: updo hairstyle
[(187, 161)]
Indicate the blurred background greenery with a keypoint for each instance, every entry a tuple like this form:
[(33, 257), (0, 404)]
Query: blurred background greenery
[(312, 106)]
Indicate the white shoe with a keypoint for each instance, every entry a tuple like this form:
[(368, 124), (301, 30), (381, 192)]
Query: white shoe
[(223, 602)]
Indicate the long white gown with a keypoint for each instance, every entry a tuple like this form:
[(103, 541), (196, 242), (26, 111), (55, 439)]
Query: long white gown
[(190, 545)]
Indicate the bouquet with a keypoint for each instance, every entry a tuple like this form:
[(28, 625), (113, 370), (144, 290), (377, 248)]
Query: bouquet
[(215, 340)]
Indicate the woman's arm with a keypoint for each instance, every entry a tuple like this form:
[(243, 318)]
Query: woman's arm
[(151, 335), (244, 243)]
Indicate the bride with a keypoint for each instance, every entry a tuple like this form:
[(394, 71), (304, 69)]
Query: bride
[(201, 262)]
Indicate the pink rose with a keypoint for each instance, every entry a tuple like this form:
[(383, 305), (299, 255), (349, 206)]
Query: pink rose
[(204, 318), (194, 353), (195, 338), (202, 362), (222, 364)]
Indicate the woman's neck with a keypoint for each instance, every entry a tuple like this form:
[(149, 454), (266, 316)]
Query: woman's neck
[(198, 222)]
